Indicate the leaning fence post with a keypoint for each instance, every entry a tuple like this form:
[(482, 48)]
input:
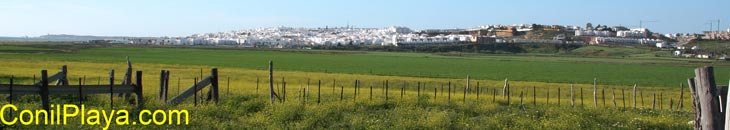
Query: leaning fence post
[(634, 95), (44, 90), (681, 99)]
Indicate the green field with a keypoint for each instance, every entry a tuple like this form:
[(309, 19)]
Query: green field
[(641, 69), (538, 76)]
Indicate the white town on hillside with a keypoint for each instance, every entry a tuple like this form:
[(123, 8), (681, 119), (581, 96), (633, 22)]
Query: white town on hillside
[(290, 37)]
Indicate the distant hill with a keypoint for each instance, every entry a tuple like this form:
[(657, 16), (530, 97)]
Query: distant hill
[(64, 38)]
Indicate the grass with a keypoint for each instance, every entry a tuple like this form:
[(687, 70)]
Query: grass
[(642, 69), (245, 107)]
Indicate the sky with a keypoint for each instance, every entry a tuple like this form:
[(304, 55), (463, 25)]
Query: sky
[(157, 18)]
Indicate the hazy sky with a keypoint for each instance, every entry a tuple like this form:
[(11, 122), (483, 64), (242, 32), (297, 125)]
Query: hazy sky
[(183, 17)]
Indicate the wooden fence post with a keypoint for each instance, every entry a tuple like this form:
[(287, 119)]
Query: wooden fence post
[(695, 103), (681, 99), (623, 98), (505, 88), (371, 91), (418, 94), (386, 91), (494, 95), (634, 95), (466, 89), (603, 96), (613, 97), (653, 103), (707, 93), (213, 83), (402, 90), (44, 90), (547, 100), (581, 98), (161, 92), (81, 95), (138, 90), (521, 97), (595, 99), (271, 82), (195, 88), (342, 92), (534, 96), (558, 96), (449, 98), (572, 98), (319, 90), (111, 89), (478, 90)]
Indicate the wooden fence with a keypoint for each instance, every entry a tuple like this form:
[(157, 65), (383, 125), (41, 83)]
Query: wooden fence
[(43, 88), (211, 80)]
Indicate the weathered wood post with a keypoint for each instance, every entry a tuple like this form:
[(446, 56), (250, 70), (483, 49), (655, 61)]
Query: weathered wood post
[(449, 98), (695, 103), (681, 99), (271, 82), (111, 89), (195, 88), (727, 114), (641, 96), (653, 103), (613, 97), (494, 95), (386, 90), (342, 92), (10, 99), (257, 85), (660, 100), (371, 91), (521, 97), (534, 96), (478, 90), (581, 98), (505, 89), (572, 98), (434, 93), (354, 98), (44, 91), (402, 90), (228, 85), (81, 95), (547, 97), (418, 94), (558, 96), (334, 84), (634, 95), (213, 84), (161, 93), (595, 99), (319, 90), (603, 96), (466, 89), (138, 90), (623, 98), (707, 93)]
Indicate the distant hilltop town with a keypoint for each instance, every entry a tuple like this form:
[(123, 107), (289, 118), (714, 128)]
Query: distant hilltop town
[(290, 37)]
